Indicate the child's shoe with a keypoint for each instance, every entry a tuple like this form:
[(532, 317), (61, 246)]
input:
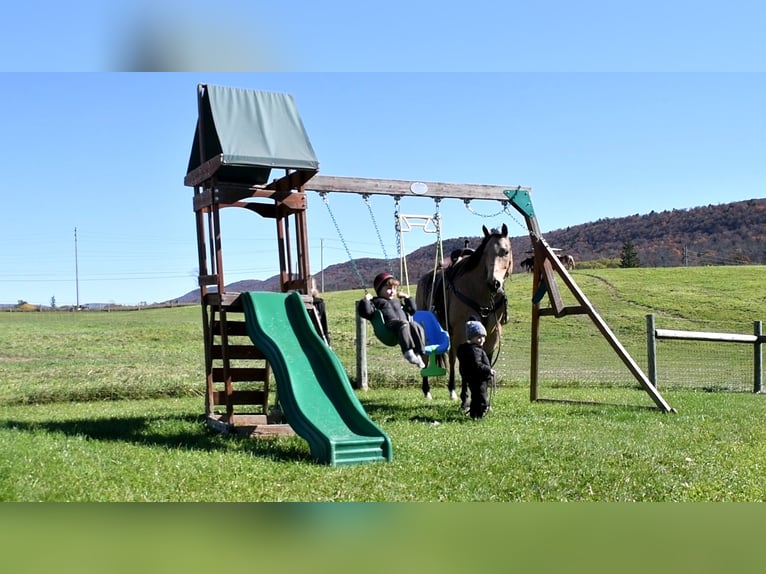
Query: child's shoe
[(412, 357)]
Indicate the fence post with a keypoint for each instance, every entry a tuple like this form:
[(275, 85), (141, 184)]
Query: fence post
[(758, 357), (361, 352), (651, 350)]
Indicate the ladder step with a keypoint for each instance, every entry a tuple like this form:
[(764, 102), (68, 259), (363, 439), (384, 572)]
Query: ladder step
[(240, 374)]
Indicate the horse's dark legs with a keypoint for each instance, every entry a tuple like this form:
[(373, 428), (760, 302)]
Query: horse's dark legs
[(451, 383), (463, 387), (426, 388)]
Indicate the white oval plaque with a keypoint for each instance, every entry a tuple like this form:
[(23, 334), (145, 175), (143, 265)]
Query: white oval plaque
[(418, 188)]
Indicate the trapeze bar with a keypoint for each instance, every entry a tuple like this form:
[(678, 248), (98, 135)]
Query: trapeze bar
[(426, 222)]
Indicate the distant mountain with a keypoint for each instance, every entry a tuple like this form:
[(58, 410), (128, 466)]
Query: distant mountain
[(726, 234), (270, 284)]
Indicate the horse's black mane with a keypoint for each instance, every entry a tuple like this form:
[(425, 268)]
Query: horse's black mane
[(472, 261)]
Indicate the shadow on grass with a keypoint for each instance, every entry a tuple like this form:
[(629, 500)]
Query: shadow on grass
[(426, 412), (164, 431)]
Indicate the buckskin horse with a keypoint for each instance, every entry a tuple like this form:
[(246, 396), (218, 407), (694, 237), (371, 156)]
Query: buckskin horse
[(473, 286)]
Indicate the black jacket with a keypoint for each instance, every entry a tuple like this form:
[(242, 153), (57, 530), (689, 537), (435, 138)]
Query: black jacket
[(392, 309), (474, 362)]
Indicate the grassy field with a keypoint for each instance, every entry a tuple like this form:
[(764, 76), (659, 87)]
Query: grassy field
[(104, 406)]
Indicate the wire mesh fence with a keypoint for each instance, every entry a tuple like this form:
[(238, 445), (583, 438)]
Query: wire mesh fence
[(574, 357), (709, 365)]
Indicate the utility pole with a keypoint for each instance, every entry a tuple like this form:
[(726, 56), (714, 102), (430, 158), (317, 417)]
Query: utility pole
[(76, 271)]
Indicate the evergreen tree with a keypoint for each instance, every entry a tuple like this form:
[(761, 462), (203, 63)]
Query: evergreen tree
[(629, 257)]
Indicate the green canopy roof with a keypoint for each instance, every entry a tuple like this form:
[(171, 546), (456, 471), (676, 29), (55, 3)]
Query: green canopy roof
[(248, 133)]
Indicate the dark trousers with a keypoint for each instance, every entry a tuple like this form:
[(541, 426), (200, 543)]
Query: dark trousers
[(479, 398), (410, 335)]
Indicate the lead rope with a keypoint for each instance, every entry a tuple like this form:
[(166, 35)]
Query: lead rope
[(403, 271), (493, 380)]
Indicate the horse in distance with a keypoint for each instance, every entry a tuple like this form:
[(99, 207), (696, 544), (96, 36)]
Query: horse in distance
[(528, 264), (567, 261)]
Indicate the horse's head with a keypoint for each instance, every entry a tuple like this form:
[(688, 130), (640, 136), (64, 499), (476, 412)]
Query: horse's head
[(498, 258)]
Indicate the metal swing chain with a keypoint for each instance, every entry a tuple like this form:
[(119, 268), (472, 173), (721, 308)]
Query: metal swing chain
[(505, 209), (323, 195), (366, 197), (439, 258), (399, 248)]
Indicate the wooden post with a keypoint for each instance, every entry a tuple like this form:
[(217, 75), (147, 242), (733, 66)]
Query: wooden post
[(758, 357), (534, 348), (534, 354), (361, 352), (651, 350)]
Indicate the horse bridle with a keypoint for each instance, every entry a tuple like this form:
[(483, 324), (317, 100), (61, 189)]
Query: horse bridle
[(483, 311)]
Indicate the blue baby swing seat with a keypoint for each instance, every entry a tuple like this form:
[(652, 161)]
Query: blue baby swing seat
[(437, 342)]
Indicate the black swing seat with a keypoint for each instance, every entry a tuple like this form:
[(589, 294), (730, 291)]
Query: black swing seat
[(384, 335)]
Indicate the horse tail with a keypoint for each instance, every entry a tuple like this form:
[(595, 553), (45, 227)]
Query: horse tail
[(423, 292), (430, 294)]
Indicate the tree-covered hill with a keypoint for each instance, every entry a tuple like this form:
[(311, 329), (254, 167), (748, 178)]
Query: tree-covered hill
[(725, 234)]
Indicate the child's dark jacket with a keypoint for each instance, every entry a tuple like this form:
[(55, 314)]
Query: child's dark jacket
[(392, 309), (474, 362)]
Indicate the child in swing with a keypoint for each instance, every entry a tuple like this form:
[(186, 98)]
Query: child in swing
[(475, 368), (397, 309)]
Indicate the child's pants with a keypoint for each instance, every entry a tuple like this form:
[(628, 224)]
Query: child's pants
[(479, 399)]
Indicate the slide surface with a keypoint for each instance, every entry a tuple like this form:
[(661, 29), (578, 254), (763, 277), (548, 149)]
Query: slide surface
[(314, 391)]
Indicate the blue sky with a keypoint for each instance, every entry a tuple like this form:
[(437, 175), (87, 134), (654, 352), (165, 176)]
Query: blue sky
[(106, 154), (398, 35), (603, 111)]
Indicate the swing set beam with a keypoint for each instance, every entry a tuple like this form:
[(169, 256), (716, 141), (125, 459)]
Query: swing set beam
[(404, 188)]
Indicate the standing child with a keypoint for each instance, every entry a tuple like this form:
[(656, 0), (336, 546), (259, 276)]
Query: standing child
[(475, 368), (397, 310)]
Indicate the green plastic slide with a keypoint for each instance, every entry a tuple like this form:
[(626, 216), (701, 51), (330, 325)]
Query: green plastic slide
[(314, 390)]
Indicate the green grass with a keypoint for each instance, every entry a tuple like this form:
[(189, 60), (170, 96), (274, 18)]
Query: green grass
[(108, 407)]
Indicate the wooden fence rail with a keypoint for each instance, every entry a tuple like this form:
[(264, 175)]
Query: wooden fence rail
[(756, 340)]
